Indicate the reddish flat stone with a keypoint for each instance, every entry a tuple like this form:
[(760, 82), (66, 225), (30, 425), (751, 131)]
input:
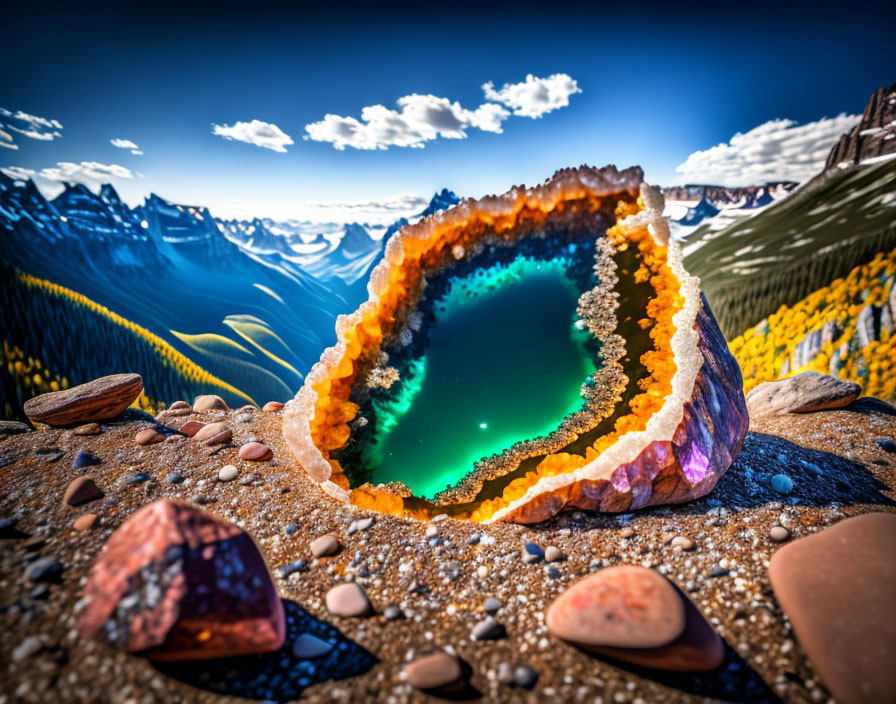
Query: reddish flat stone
[(190, 428), (88, 429), (838, 588), (255, 452), (82, 490), (149, 436), (209, 402), (209, 431), (180, 583), (96, 400), (272, 406), (85, 521), (636, 615), (434, 671), (801, 393), (620, 607)]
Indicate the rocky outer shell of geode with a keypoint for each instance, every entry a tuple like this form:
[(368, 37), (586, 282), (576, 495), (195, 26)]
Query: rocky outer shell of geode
[(174, 582), (705, 443)]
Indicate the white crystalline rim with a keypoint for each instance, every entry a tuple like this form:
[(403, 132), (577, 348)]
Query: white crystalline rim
[(661, 426)]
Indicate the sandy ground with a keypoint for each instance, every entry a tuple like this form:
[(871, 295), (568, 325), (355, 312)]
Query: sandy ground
[(440, 581)]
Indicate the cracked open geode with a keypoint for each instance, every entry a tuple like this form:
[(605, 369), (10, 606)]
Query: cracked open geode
[(522, 354)]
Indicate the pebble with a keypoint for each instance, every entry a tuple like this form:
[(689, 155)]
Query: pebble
[(255, 452), (85, 521), (801, 393), (505, 673), (46, 569), (8, 528), (221, 438), (247, 478), (525, 677), (682, 542), (719, 571), (82, 490), (175, 438), (307, 646), (552, 554), (290, 529), (348, 599), (96, 400), (779, 534), (293, 567), (88, 429), (207, 431), (324, 546), (886, 445), (209, 402), (139, 478), (174, 478), (393, 613), (434, 671), (532, 553), (48, 454), (85, 459), (31, 646), (243, 418), (180, 406), (492, 605), (190, 428), (228, 473), (361, 524), (149, 436), (782, 484), (488, 629), (13, 427), (272, 406)]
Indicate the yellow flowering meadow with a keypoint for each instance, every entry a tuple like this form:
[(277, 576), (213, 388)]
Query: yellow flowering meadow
[(781, 346)]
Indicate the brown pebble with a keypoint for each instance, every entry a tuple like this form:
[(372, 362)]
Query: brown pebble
[(85, 521), (180, 406), (779, 534), (149, 436), (208, 431), (221, 438), (209, 402), (627, 532), (96, 400), (190, 428), (88, 429), (172, 439), (682, 542), (324, 546), (82, 490), (552, 554), (434, 671), (348, 599), (272, 406), (838, 588), (255, 452)]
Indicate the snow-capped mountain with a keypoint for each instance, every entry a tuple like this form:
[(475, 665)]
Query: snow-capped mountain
[(716, 207)]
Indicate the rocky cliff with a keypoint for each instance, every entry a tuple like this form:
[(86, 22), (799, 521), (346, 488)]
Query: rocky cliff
[(723, 197), (874, 136)]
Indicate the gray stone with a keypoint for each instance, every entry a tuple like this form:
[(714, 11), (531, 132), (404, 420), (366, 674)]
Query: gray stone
[(307, 646)]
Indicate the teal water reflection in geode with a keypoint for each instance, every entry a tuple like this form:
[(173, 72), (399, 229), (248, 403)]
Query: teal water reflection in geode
[(504, 363)]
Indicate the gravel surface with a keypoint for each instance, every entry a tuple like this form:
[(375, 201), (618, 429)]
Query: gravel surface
[(428, 588)]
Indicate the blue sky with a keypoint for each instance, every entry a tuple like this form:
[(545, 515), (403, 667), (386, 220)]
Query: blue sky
[(655, 86)]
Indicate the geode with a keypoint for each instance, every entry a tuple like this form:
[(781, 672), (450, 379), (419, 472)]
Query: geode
[(660, 420)]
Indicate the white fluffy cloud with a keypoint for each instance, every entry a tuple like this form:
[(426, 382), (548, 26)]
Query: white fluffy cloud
[(6, 140), (261, 134), (535, 96), (87, 172), (374, 212), (778, 150), (31, 126), (423, 118), (126, 144)]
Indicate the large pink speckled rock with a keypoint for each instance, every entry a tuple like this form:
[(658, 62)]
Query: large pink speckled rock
[(636, 615), (174, 582)]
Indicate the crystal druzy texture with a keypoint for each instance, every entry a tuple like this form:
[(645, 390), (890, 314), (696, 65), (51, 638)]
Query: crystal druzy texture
[(662, 418)]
